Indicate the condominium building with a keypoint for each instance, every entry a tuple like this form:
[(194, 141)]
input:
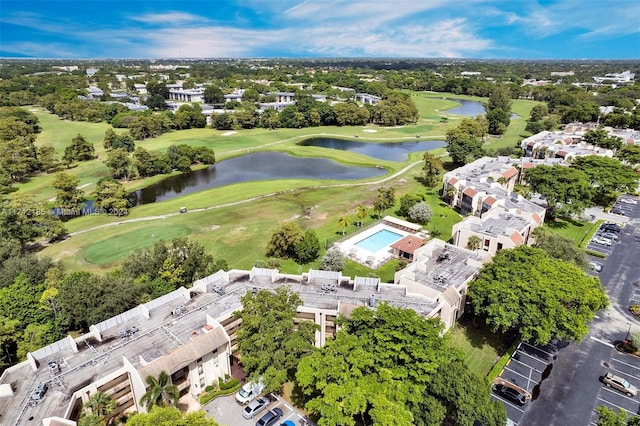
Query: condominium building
[(191, 333)]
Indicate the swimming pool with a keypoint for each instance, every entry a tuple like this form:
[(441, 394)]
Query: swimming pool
[(378, 241)]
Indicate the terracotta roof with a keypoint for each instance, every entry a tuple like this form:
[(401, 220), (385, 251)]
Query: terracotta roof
[(510, 173), (561, 153), (532, 143), (629, 141), (516, 238), (452, 181), (408, 244), (537, 217), (568, 140), (470, 192), (489, 201), (528, 165)]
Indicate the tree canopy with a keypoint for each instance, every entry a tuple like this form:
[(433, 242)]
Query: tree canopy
[(608, 176), (269, 344), (527, 291), (566, 189), (560, 247), (170, 416), (383, 368)]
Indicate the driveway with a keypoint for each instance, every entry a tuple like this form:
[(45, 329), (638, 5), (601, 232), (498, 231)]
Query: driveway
[(573, 390), (227, 412)]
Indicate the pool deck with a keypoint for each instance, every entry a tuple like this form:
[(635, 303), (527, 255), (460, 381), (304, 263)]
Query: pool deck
[(365, 257)]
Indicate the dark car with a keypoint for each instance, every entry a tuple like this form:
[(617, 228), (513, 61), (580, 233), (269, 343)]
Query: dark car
[(617, 211), (510, 393), (611, 227), (270, 417)]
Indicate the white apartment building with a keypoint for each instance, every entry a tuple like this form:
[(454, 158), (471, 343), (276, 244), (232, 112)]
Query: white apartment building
[(190, 333)]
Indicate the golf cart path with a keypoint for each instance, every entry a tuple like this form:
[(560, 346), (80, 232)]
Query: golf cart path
[(248, 200)]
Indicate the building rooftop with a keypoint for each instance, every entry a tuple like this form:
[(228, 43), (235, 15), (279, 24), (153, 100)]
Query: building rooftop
[(502, 223), (172, 328), (438, 265)]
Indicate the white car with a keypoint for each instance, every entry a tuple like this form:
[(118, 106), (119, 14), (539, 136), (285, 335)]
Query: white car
[(627, 201), (600, 240), (595, 266)]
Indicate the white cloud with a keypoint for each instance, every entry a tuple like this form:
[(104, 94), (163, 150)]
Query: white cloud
[(40, 50), (595, 18), (171, 18)]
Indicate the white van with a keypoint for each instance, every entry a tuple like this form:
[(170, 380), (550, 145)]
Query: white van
[(249, 392)]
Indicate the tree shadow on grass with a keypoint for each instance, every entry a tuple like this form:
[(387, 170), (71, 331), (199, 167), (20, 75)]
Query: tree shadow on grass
[(479, 334)]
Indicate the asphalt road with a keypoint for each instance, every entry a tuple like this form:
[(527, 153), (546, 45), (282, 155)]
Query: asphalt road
[(570, 394)]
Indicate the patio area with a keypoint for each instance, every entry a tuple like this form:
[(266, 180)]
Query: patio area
[(372, 246)]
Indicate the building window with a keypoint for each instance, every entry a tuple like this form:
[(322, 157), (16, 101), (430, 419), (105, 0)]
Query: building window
[(215, 351), (200, 369), (499, 246), (202, 381)]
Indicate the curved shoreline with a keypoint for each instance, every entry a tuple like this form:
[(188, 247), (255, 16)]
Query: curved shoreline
[(248, 200)]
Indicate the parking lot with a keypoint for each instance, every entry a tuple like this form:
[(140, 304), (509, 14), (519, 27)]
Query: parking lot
[(528, 367), (627, 367), (227, 412)]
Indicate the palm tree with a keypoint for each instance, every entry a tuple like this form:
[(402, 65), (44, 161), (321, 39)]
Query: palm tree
[(101, 404), (160, 391), (474, 242), (361, 211), (344, 221)]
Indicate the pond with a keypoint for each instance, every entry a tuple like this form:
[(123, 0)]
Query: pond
[(470, 108), (391, 151), (251, 167)]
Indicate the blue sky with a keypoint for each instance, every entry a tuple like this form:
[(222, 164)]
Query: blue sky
[(529, 29)]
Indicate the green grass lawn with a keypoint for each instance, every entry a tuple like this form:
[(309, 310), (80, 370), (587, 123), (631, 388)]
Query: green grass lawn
[(114, 248), (577, 231), (481, 347), (239, 233)]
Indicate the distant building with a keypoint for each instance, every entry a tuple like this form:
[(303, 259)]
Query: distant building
[(623, 77), (560, 145), (283, 97), (366, 98), (186, 95)]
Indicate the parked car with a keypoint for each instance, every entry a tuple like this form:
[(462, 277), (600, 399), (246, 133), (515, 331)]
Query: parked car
[(510, 393), (270, 417), (38, 394), (249, 391), (627, 201), (599, 240), (287, 423), (611, 227), (595, 266), (254, 407), (609, 235), (620, 384), (617, 211)]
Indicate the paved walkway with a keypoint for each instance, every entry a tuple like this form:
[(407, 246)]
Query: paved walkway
[(248, 200)]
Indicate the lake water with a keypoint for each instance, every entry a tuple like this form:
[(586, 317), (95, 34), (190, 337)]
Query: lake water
[(392, 151), (251, 167), (470, 108)]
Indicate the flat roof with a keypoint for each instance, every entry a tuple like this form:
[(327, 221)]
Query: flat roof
[(163, 333)]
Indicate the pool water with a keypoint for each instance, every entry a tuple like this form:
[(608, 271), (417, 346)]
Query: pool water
[(378, 241)]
